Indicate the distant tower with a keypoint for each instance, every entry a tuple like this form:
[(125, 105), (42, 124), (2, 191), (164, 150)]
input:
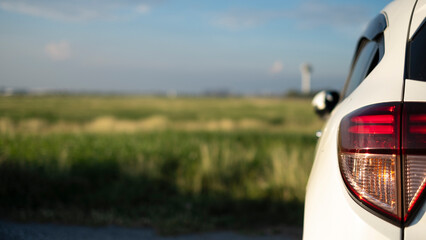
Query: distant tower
[(306, 70)]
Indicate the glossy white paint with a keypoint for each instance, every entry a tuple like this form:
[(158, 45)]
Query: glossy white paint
[(418, 16), (415, 91), (417, 228), (330, 212)]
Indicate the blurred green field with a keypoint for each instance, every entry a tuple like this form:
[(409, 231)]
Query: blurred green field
[(176, 164)]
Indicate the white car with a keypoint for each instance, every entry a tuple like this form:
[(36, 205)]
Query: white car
[(369, 173)]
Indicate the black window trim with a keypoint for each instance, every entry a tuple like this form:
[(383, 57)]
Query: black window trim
[(418, 30), (408, 74)]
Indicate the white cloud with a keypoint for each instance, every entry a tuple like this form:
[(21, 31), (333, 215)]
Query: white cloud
[(143, 8), (58, 51), (53, 11), (313, 14), (276, 67), (307, 15), (237, 21), (79, 10)]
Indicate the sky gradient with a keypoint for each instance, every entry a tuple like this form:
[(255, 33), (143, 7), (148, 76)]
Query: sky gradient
[(187, 46)]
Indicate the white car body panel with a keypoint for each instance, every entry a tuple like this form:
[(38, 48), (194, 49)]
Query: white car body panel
[(330, 211), (417, 228), (415, 91), (418, 16)]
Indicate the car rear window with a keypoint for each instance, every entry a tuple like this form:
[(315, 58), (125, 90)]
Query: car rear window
[(417, 56), (362, 65)]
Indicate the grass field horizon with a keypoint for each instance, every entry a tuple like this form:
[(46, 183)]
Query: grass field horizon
[(176, 164)]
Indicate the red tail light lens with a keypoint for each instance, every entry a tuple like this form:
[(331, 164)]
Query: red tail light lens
[(369, 157), (414, 154), (382, 173)]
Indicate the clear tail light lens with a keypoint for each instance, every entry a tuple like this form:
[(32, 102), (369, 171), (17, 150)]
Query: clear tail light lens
[(382, 158), (372, 177), (415, 180)]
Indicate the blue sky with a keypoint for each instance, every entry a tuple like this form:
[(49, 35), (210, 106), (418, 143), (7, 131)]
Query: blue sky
[(190, 46)]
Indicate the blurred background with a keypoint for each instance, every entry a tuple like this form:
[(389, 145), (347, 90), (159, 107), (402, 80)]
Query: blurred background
[(181, 115)]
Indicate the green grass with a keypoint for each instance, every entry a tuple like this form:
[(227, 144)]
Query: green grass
[(80, 110), (175, 179), (86, 108)]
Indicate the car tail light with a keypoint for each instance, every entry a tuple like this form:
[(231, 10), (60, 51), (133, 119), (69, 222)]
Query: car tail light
[(382, 157), (414, 154)]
